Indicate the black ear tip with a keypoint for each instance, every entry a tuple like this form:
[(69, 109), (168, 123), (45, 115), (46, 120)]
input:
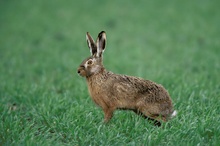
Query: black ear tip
[(102, 32)]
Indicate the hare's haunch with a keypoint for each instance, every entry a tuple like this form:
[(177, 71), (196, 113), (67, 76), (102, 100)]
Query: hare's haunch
[(112, 91)]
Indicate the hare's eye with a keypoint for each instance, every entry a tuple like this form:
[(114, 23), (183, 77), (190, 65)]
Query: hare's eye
[(89, 62)]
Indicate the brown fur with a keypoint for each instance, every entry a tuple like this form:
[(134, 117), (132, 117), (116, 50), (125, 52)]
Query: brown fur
[(111, 91)]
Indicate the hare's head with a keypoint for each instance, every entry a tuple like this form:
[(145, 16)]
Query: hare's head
[(93, 64)]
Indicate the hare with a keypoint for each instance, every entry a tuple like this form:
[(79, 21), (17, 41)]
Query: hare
[(112, 91)]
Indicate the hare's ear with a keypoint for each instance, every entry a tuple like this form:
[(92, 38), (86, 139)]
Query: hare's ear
[(91, 44), (100, 43)]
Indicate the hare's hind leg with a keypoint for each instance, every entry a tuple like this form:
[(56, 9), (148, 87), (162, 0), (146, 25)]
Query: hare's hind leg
[(152, 113), (154, 121)]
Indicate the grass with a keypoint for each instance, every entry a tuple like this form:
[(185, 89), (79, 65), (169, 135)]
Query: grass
[(44, 102)]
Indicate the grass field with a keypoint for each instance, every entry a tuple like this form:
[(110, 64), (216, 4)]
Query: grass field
[(44, 102)]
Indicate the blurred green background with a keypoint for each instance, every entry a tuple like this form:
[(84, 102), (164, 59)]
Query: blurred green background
[(43, 101)]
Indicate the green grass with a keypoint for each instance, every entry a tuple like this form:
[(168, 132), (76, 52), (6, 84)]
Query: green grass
[(44, 102)]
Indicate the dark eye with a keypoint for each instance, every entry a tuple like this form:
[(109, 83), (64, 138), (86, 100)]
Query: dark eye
[(89, 62)]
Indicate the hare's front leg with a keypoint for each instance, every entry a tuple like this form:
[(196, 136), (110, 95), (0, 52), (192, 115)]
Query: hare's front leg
[(108, 113)]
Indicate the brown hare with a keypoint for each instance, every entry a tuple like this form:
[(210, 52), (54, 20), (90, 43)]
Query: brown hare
[(112, 91)]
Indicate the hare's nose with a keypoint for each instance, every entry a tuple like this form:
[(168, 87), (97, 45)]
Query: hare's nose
[(78, 71)]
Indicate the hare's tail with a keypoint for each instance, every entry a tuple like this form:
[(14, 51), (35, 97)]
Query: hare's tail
[(174, 114)]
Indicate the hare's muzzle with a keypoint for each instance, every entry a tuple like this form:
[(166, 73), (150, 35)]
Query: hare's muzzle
[(81, 71), (78, 71)]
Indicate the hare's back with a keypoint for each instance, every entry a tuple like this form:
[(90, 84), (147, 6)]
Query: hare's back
[(134, 87)]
